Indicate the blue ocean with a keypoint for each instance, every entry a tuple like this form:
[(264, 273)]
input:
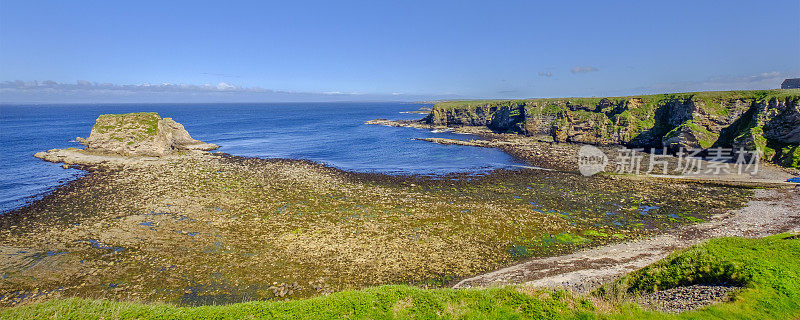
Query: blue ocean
[(330, 133)]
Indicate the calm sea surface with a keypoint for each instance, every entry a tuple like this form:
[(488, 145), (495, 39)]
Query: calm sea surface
[(331, 133)]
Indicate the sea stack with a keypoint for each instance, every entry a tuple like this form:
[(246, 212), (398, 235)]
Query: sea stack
[(130, 135), (140, 134)]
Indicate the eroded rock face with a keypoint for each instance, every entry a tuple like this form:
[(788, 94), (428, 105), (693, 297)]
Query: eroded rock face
[(774, 128), (508, 117), (478, 116), (140, 134), (783, 124), (767, 120)]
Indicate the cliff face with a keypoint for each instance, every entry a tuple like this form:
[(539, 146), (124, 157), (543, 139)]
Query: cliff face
[(145, 134), (506, 116), (767, 120)]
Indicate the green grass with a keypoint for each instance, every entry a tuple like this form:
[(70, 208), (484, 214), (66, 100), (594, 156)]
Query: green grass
[(787, 155), (712, 98), (768, 268), (383, 302), (704, 137), (794, 161), (146, 122)]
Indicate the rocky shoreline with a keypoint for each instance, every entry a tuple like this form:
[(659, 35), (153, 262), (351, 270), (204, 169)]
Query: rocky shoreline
[(763, 120), (774, 211), (543, 152), (192, 227)]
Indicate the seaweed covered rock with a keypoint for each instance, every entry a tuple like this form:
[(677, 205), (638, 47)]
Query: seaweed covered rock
[(140, 134)]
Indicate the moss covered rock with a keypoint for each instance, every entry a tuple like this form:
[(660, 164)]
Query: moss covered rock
[(787, 155), (689, 135), (143, 134)]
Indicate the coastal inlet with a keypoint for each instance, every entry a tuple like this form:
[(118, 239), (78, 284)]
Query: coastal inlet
[(193, 227)]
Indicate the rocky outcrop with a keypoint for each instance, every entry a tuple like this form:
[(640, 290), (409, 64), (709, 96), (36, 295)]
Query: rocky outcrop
[(772, 126), (140, 134), (501, 117), (765, 120), (688, 136), (129, 138)]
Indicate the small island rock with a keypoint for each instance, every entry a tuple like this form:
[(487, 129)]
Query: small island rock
[(140, 134), (121, 137)]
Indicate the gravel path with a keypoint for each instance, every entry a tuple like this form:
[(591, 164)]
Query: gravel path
[(770, 212)]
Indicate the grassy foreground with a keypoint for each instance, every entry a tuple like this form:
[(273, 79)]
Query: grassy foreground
[(768, 268)]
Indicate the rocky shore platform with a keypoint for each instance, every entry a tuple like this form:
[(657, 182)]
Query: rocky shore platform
[(543, 152), (158, 219), (523, 129), (191, 227)]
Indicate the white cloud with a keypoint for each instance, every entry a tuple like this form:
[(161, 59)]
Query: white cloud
[(225, 86), (84, 91), (545, 74), (759, 81), (765, 76), (583, 69), (82, 85)]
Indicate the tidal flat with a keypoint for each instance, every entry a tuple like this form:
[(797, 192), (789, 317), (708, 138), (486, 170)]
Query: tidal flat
[(213, 228)]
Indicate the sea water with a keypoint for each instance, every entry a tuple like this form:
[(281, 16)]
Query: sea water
[(330, 133)]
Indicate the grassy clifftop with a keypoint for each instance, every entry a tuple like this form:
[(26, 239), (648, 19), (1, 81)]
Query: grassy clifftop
[(768, 269), (138, 126), (648, 100)]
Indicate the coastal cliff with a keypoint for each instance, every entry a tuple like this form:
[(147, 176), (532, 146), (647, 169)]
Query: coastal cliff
[(767, 120)]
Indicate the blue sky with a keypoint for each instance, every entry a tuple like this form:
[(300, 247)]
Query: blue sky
[(97, 51)]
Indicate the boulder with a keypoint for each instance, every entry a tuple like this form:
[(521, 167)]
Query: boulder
[(689, 136)]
